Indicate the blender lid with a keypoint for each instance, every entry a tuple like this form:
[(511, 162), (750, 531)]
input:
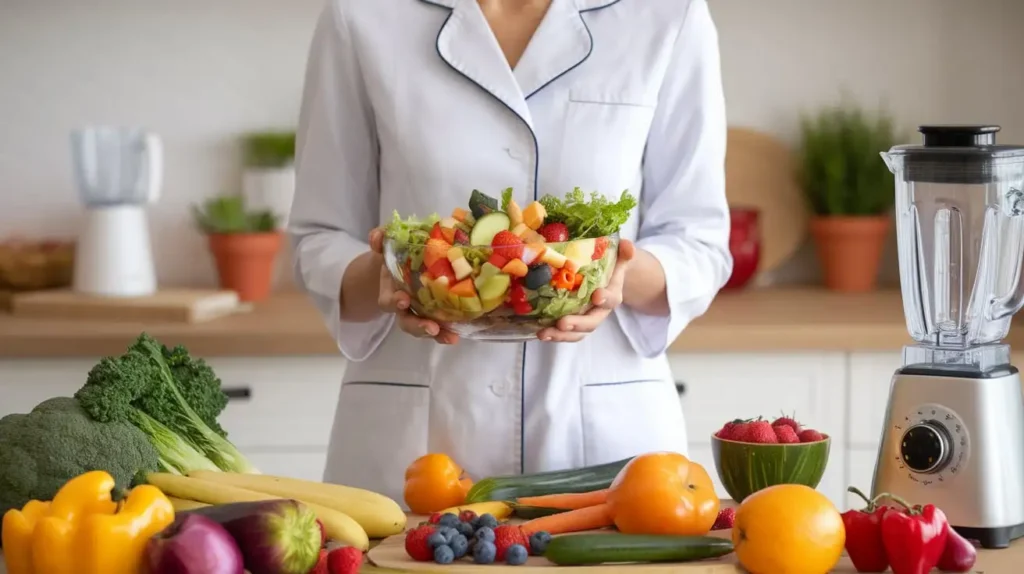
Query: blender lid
[(964, 154)]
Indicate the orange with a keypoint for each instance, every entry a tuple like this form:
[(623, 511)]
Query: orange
[(788, 529), (434, 482), (663, 493)]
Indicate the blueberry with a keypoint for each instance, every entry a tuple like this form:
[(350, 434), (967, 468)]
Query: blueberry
[(516, 555), (538, 276), (485, 533), (448, 519), (436, 539), (539, 542), (460, 545), (444, 555), (465, 529), (484, 552), (448, 532), (489, 521)]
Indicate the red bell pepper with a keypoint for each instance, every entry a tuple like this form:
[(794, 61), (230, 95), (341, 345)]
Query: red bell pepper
[(914, 536), (864, 543)]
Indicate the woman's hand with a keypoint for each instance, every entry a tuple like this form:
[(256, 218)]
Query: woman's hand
[(574, 328), (392, 300)]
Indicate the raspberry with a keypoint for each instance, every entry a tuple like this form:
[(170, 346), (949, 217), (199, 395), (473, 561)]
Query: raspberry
[(505, 536), (554, 232), (345, 560), (508, 245), (811, 435), (725, 520), (786, 434), (416, 544)]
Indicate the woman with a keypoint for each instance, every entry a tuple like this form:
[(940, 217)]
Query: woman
[(411, 104)]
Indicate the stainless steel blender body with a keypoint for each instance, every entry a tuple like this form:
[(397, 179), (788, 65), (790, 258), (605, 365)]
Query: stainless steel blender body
[(954, 426)]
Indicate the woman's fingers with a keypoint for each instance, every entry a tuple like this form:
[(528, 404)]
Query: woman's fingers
[(389, 299), (377, 240), (417, 326)]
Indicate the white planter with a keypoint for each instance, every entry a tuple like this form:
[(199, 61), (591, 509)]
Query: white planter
[(270, 188)]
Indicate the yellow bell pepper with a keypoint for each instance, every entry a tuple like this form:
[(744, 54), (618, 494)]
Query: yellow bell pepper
[(83, 530)]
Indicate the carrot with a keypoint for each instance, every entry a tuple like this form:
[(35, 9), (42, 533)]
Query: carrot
[(566, 501), (588, 518)]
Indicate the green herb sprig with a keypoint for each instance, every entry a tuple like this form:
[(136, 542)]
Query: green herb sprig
[(596, 217)]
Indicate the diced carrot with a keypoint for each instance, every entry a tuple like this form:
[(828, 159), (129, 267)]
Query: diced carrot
[(577, 281), (515, 268), (464, 288), (566, 501), (459, 214), (449, 234), (587, 518), (570, 265)]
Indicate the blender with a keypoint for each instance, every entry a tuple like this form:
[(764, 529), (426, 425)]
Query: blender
[(954, 425), (119, 173)]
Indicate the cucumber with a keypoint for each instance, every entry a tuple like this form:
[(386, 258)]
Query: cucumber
[(480, 204), (586, 549), (487, 227), (531, 512), (512, 487)]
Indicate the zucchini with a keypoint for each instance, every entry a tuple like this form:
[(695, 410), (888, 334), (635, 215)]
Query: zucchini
[(480, 204), (605, 548), (512, 487), (531, 512)]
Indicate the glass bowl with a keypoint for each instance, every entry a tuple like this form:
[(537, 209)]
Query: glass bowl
[(501, 293)]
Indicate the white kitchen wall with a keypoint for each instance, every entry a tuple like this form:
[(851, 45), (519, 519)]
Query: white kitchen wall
[(201, 72)]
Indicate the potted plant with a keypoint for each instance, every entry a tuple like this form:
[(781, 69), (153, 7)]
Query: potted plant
[(244, 244), (268, 175), (850, 191)]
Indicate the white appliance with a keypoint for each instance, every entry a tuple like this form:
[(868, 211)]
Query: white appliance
[(954, 426), (119, 172)]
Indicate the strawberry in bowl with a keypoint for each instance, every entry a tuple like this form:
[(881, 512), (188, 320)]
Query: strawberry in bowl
[(752, 454), (498, 271)]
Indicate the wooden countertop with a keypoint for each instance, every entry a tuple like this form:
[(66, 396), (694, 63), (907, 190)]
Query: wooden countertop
[(763, 320)]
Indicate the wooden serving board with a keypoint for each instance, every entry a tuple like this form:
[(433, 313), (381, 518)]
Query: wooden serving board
[(389, 556), (166, 306)]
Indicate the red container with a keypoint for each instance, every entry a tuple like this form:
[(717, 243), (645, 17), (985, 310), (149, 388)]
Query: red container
[(744, 245)]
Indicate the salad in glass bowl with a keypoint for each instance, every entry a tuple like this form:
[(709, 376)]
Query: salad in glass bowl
[(497, 271)]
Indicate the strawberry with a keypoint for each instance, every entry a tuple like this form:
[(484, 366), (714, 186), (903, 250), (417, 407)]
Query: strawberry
[(467, 516), (725, 520), (600, 244), (344, 560), (788, 421), (811, 435), (761, 432), (498, 260), (443, 268), (460, 237), (554, 232), (436, 233), (321, 564), (508, 245), (434, 518), (786, 434), (728, 430), (506, 535), (416, 544), (740, 432)]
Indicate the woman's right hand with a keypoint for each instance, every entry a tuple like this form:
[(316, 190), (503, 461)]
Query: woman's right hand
[(392, 300)]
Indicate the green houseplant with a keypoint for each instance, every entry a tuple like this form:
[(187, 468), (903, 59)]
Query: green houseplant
[(268, 171), (850, 191), (244, 243)]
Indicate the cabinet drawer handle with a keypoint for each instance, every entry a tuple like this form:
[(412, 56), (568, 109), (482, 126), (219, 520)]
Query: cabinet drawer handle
[(238, 393), (681, 387)]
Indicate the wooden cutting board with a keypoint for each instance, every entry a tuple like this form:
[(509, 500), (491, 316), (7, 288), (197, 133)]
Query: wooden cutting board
[(166, 306), (760, 173), (390, 555)]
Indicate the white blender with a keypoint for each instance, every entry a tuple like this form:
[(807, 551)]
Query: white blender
[(119, 172), (954, 426)]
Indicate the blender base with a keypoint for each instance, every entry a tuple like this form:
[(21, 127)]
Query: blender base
[(955, 438)]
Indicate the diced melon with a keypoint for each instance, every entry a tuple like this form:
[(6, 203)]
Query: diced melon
[(439, 289), (580, 252), (426, 279), (453, 254), (532, 252), (454, 301), (495, 287), (531, 236), (488, 305), (515, 213), (487, 270), (515, 268), (459, 214), (519, 229), (462, 268), (534, 214), (553, 258), (471, 304), (449, 222), (424, 296), (463, 288), (436, 249)]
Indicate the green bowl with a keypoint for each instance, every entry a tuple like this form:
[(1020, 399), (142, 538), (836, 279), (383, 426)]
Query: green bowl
[(745, 468)]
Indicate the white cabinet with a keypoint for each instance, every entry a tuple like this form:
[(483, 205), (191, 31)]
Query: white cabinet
[(279, 415), (716, 388)]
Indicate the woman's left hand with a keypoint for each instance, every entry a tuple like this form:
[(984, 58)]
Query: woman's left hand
[(574, 328)]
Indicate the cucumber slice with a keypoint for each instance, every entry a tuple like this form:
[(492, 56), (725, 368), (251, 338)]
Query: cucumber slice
[(487, 227)]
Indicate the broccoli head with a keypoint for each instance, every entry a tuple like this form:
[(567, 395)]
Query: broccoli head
[(140, 387), (57, 441)]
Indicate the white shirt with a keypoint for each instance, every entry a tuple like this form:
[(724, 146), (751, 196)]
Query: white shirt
[(409, 105)]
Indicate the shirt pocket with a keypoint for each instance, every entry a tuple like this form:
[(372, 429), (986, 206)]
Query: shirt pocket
[(624, 419), (379, 429), (604, 138)]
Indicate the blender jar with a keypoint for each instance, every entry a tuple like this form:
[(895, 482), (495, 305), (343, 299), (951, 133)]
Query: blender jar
[(960, 235)]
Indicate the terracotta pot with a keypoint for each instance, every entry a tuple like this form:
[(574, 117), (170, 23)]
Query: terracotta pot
[(850, 250), (245, 262)]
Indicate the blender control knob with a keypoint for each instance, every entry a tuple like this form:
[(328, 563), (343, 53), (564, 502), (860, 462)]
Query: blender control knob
[(925, 447)]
